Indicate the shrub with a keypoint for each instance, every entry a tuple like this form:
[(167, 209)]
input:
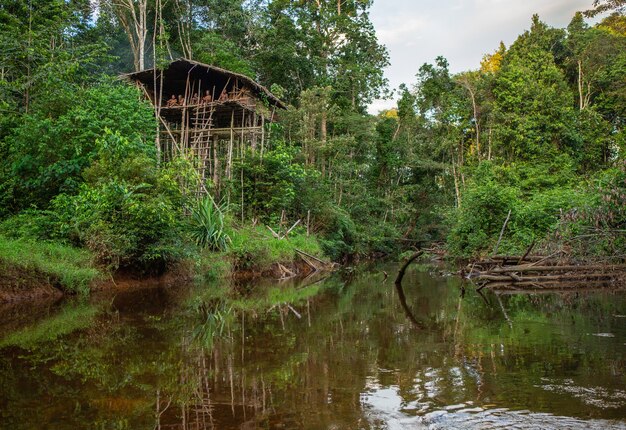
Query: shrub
[(540, 215), (30, 224), (128, 212), (339, 233), (270, 184), (538, 195), (476, 224), (48, 152), (597, 228)]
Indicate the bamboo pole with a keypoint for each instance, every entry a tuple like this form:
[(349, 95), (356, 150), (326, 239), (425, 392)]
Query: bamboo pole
[(230, 146), (243, 116), (262, 136), (308, 222)]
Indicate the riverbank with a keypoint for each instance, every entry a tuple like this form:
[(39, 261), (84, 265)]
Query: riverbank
[(30, 270), (36, 269), (254, 252)]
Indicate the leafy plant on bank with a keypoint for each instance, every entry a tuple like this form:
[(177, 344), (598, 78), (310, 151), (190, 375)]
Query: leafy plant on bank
[(207, 225), (47, 152)]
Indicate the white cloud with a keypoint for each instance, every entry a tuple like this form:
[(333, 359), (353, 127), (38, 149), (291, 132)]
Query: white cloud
[(417, 31), (399, 29)]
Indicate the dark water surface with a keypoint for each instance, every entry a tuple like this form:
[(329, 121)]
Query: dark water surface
[(338, 354)]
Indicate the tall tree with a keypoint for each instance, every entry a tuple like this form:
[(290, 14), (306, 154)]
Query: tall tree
[(338, 42), (533, 102), (132, 15), (42, 47), (443, 106)]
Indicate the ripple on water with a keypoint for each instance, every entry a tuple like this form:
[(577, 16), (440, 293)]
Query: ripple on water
[(507, 419), (385, 408), (594, 396)]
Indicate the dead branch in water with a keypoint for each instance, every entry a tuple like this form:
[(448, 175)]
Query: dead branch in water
[(400, 291), (406, 264), (506, 221)]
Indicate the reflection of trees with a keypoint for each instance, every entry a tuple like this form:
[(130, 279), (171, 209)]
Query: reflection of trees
[(525, 340), (296, 358), (269, 367)]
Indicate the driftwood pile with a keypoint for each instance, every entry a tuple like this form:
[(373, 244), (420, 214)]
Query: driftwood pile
[(542, 272)]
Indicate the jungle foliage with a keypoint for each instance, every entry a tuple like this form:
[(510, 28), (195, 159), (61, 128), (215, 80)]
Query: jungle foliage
[(537, 130)]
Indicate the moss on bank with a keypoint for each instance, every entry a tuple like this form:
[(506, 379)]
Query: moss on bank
[(62, 266), (31, 269), (255, 251)]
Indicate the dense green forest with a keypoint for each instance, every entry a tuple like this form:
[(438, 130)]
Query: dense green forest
[(535, 134)]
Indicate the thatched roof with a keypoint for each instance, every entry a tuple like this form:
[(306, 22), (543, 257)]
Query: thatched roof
[(176, 73)]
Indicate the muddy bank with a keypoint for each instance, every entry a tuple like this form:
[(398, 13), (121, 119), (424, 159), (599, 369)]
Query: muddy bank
[(277, 271), (20, 284)]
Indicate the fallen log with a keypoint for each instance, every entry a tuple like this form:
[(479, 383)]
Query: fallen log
[(573, 268), (538, 272), (543, 278), (541, 285), (310, 256), (497, 258), (550, 290)]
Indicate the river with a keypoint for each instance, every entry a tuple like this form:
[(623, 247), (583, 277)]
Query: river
[(337, 353)]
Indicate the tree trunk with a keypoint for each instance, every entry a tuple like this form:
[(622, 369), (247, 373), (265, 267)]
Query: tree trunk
[(456, 183), (581, 97), (133, 19)]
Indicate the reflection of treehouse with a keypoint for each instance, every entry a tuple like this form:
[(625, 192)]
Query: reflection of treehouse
[(220, 114)]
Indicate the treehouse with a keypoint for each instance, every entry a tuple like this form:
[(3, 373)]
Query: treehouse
[(209, 112)]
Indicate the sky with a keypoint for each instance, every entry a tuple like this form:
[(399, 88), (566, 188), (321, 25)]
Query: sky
[(417, 31)]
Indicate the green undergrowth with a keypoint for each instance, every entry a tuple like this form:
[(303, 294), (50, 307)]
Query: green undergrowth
[(254, 249), (66, 266)]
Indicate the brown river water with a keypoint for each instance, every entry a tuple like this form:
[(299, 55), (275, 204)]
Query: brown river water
[(336, 353)]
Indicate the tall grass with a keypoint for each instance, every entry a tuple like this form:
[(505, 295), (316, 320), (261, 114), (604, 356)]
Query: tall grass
[(255, 249), (70, 267)]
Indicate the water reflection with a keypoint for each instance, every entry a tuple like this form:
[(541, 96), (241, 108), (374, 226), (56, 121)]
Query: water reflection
[(331, 355)]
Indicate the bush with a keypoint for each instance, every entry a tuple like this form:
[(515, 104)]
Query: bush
[(128, 212), (48, 153), (536, 198), (597, 228), (30, 224), (541, 214), (476, 224), (270, 184), (338, 234)]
